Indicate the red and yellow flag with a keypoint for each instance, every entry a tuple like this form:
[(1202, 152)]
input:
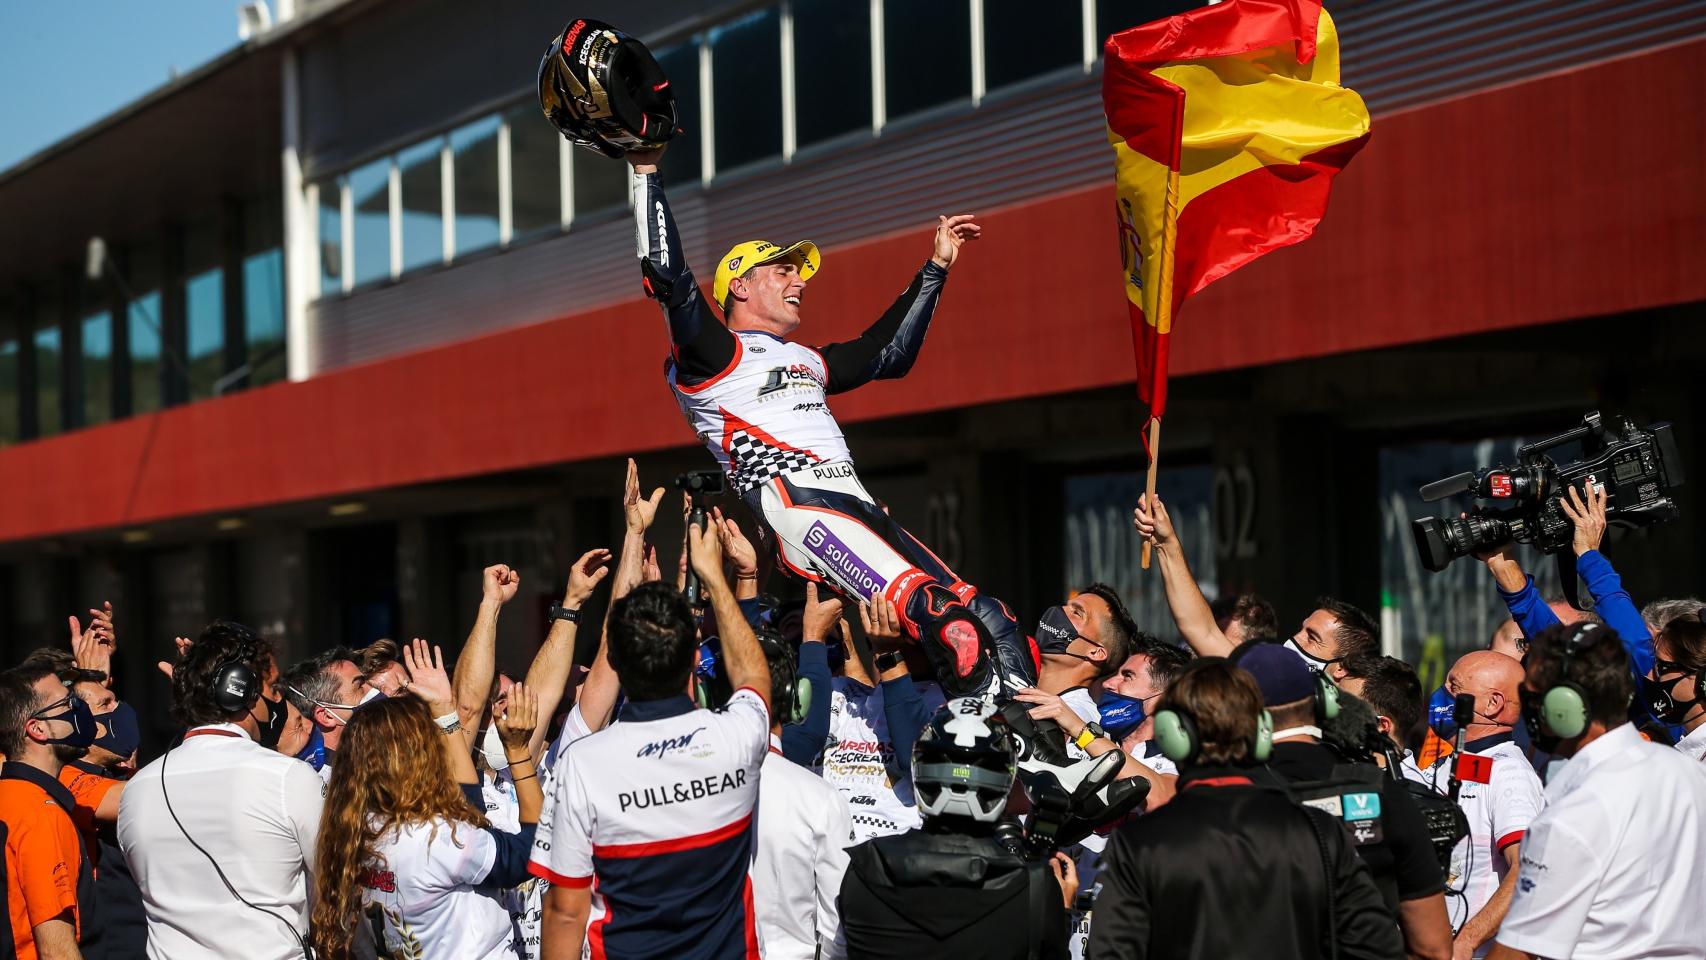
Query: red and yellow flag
[(1228, 124)]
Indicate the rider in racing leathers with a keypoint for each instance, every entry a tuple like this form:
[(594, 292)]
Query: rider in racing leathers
[(758, 402)]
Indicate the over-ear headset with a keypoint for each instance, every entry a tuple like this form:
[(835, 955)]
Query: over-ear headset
[(1176, 733), (236, 686), (796, 692), (1326, 698), (1564, 705)]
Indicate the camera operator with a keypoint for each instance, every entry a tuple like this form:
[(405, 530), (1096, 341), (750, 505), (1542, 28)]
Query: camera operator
[(1390, 686), (1333, 631), (658, 807), (1611, 602), (1390, 832), (951, 887), (1232, 867), (220, 831), (1679, 682), (1500, 795), (1611, 867)]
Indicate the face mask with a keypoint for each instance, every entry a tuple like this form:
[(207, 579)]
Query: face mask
[(373, 693), (273, 727), (74, 711), (117, 731), (1055, 631), (1309, 660), (1120, 714), (1660, 698), (1441, 707), (313, 752), (492, 746)]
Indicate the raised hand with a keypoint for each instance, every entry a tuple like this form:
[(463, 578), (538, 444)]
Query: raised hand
[(1066, 873), (183, 647), (427, 676), (1153, 524), (498, 584), (705, 551), (820, 617), (93, 648), (881, 621), (649, 569), (1588, 514), (585, 576), (520, 717), (639, 513), (739, 550), (951, 234)]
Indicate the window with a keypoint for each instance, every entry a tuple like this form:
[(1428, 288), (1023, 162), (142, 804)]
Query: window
[(144, 321), (926, 53), (331, 238), (536, 187), (49, 359), (97, 367), (204, 330), (1112, 16), (1021, 41), (10, 428), (370, 189), (476, 149), (746, 84), (263, 291), (602, 184), (1101, 546), (682, 163), (423, 204), (832, 69)]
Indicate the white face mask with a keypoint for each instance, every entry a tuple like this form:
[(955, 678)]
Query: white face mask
[(1309, 661), (492, 746)]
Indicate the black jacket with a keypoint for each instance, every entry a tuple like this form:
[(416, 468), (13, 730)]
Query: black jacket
[(926, 894), (1232, 868)]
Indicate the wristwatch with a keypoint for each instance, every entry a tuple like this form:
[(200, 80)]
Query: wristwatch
[(888, 661), (1092, 732), (564, 613)]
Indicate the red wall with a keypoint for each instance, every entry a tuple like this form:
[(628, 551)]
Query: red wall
[(1573, 195)]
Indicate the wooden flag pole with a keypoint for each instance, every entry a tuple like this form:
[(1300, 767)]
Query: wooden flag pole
[(1149, 485)]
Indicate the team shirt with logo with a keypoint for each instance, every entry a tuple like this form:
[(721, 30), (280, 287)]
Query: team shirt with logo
[(655, 813), (859, 759), (1499, 813), (429, 887)]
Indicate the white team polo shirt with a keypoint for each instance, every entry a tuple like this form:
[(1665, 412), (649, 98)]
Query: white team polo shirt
[(655, 814), (256, 812), (1693, 746), (1499, 813), (1612, 868), (859, 759), (429, 886), (804, 830)]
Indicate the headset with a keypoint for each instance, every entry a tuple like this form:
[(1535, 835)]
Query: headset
[(1564, 705), (236, 687), (1326, 698), (1176, 732), (796, 697)]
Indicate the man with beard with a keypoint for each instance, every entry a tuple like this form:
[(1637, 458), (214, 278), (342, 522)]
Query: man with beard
[(50, 889)]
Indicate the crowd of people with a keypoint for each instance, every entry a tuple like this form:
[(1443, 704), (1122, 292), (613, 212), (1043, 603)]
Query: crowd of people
[(736, 776)]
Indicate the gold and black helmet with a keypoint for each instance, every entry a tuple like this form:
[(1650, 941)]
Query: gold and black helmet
[(603, 90)]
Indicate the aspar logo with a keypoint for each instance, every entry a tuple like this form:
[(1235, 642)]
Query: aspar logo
[(842, 561), (668, 745)]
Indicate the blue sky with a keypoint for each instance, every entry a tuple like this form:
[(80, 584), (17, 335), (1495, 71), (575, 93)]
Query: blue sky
[(66, 63)]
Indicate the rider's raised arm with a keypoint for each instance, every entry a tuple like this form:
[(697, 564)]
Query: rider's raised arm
[(700, 345), (888, 348)]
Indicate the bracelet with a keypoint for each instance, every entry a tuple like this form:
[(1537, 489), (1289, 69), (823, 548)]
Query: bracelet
[(745, 576), (450, 722), (519, 779), (455, 727)]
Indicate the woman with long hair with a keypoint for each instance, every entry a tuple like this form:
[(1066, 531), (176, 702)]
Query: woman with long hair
[(404, 834)]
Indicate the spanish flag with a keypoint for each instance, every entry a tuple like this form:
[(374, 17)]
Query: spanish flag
[(1228, 123)]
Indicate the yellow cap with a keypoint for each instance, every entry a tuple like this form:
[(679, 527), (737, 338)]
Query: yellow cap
[(744, 256)]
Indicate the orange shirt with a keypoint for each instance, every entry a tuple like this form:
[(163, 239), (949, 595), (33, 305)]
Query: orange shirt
[(44, 862), (88, 789)]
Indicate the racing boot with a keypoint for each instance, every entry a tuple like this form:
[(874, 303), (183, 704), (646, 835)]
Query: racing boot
[(955, 641), (1015, 658)]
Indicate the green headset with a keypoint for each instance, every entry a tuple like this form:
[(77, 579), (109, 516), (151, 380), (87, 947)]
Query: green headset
[(1326, 698), (1564, 705), (1176, 733)]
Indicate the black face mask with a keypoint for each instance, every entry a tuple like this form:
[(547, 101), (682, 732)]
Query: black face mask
[(273, 727), (1055, 631), (1660, 698)]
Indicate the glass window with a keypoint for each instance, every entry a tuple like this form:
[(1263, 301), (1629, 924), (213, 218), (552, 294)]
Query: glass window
[(423, 204), (476, 148), (681, 164), (49, 359), (263, 290), (97, 367), (1101, 546), (204, 330), (370, 189), (602, 184), (1021, 42), (535, 175), (144, 322), (832, 69), (1112, 16), (9, 379), (331, 239), (926, 53), (746, 75)]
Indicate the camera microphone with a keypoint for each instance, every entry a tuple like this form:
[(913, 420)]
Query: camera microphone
[(1462, 712)]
